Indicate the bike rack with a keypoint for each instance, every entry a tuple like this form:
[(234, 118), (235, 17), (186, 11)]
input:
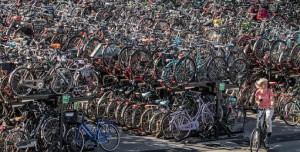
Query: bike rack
[(213, 87), (61, 118), (22, 100)]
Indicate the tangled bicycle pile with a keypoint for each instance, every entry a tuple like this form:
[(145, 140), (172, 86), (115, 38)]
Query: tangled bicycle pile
[(151, 66)]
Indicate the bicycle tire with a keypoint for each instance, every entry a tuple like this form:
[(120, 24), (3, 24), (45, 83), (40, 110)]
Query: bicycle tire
[(51, 124), (12, 81), (294, 114), (238, 70), (108, 137), (255, 140), (260, 47), (136, 116), (155, 123), (295, 55), (185, 70), (101, 107), (216, 69), (277, 52), (89, 47), (72, 144), (236, 120), (145, 120), (62, 77), (5, 93), (110, 109), (177, 121), (110, 50)]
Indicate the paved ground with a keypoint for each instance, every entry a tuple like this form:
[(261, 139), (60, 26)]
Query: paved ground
[(285, 139)]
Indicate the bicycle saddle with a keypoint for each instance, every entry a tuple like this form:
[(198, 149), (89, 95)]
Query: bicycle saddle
[(146, 94), (272, 83), (55, 46), (165, 103), (157, 101)]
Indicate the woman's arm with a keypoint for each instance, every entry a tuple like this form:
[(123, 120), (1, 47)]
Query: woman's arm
[(257, 98)]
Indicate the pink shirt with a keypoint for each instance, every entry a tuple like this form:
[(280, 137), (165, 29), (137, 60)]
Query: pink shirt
[(266, 98)]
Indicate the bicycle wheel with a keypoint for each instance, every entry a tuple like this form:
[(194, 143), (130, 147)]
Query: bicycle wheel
[(291, 113), (145, 120), (136, 115), (165, 126), (14, 138), (260, 47), (179, 127), (108, 137), (101, 107), (61, 81), (74, 43), (110, 51), (74, 140), (50, 131), (89, 47), (236, 119), (92, 110), (255, 140), (110, 109), (87, 82), (5, 93), (156, 123), (139, 62), (278, 52), (168, 76), (61, 7), (238, 71), (185, 70), (118, 112), (123, 57), (16, 81), (216, 69), (295, 55), (127, 116)]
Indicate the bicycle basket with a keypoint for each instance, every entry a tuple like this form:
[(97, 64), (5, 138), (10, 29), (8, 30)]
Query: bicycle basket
[(72, 116)]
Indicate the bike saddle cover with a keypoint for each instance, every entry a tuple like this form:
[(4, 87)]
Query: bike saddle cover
[(157, 101), (146, 94), (164, 103)]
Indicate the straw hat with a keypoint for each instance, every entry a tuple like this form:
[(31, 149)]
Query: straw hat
[(260, 82)]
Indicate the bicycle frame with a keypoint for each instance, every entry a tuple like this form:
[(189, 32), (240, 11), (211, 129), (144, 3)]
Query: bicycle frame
[(93, 135)]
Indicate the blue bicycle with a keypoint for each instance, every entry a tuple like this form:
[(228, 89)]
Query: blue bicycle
[(88, 134)]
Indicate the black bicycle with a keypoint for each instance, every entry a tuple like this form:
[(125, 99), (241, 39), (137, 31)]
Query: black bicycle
[(259, 134)]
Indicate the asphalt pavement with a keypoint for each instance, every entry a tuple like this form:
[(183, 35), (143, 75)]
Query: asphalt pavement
[(284, 139)]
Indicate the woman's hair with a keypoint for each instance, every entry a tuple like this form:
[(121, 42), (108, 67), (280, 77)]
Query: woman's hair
[(260, 82)]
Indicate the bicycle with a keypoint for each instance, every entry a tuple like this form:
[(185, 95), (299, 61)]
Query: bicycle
[(291, 111), (101, 134), (259, 133)]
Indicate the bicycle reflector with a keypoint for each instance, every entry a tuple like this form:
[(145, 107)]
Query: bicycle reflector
[(217, 22), (135, 106), (180, 55), (119, 102), (146, 107)]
